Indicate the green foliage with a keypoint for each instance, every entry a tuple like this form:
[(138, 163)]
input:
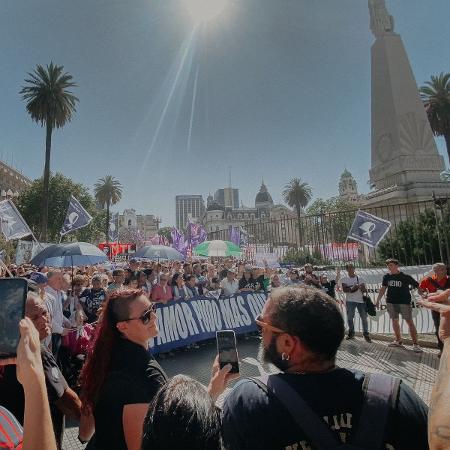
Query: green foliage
[(165, 231), (10, 249), (415, 241), (302, 257), (60, 190), (297, 194)]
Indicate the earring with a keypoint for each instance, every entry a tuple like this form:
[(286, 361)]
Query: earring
[(285, 357)]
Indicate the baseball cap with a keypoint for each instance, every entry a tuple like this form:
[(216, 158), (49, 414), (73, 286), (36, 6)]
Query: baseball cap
[(231, 271), (39, 278)]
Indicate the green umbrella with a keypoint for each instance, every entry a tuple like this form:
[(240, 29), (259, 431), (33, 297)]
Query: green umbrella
[(217, 248)]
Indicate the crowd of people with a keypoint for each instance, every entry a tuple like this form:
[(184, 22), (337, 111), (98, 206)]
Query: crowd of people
[(101, 322)]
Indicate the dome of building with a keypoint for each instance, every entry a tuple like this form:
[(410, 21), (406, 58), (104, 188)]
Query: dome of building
[(214, 206), (263, 197)]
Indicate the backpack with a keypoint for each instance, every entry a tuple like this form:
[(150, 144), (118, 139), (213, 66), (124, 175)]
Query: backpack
[(380, 396), (438, 286)]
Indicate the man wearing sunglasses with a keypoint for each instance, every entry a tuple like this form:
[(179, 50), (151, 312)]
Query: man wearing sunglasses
[(301, 330)]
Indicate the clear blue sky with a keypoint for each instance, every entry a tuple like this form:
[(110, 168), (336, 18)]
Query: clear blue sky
[(282, 90)]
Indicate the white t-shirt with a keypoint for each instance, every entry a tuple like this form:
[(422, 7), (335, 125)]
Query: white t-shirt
[(357, 296), (229, 288)]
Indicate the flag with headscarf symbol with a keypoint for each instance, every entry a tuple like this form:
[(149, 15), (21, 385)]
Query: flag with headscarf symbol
[(196, 234), (12, 224), (369, 229), (114, 227), (179, 241), (77, 217)]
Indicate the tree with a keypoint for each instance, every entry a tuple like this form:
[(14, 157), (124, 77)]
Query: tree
[(61, 188), (297, 195), (435, 95), (49, 102), (108, 191)]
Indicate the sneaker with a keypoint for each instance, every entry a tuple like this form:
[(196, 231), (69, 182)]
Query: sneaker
[(367, 338), (395, 344), (350, 336), (417, 348)]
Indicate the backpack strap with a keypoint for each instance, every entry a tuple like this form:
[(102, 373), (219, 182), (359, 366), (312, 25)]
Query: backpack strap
[(314, 427), (380, 397)]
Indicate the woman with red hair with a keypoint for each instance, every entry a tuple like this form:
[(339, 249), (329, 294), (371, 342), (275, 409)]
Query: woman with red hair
[(120, 377)]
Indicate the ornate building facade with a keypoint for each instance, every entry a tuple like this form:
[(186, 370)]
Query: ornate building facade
[(12, 182)]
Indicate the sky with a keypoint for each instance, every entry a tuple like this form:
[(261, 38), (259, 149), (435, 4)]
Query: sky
[(268, 89)]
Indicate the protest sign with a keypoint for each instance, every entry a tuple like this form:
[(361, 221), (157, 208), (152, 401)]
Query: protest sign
[(269, 259), (368, 229)]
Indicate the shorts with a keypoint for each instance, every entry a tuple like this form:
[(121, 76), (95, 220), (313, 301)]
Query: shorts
[(394, 310)]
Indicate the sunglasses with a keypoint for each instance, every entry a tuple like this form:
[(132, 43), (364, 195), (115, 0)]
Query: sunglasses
[(261, 324), (146, 315)]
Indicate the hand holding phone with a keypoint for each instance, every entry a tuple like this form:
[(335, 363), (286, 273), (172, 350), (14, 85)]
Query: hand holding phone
[(227, 350), (13, 294)]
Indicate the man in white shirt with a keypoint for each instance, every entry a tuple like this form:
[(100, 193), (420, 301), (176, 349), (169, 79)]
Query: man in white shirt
[(54, 300), (354, 287), (229, 284)]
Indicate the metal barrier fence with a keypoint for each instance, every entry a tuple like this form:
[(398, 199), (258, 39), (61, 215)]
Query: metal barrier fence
[(420, 234), (381, 324)]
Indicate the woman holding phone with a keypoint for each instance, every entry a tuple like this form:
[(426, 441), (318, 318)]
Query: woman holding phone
[(121, 377)]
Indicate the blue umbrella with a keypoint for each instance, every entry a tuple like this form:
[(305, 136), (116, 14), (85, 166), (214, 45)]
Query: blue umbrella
[(69, 255), (158, 252)]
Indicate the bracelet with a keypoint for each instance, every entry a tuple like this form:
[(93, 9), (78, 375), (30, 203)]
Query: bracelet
[(81, 440)]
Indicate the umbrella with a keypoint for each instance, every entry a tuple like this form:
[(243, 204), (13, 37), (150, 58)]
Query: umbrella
[(159, 252), (69, 255), (217, 248)]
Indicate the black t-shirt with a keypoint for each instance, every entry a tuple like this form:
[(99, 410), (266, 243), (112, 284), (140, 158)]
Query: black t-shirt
[(135, 377), (254, 420), (330, 288), (398, 288), (12, 395), (91, 300), (251, 283)]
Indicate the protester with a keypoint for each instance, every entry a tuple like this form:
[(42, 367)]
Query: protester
[(92, 299), (439, 418), (438, 282), (180, 291), (310, 278), (37, 432), (247, 283), (121, 377), (119, 279), (275, 281), (229, 284), (162, 292), (63, 401), (182, 415), (191, 286), (142, 283), (72, 303), (293, 278), (354, 287), (55, 298), (329, 286), (396, 285), (302, 330)]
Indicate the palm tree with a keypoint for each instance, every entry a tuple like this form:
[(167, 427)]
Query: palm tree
[(108, 191), (436, 98), (50, 102), (297, 195)]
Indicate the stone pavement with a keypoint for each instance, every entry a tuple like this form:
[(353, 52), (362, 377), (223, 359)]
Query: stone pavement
[(417, 370)]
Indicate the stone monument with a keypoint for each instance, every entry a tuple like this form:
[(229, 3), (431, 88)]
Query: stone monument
[(406, 165)]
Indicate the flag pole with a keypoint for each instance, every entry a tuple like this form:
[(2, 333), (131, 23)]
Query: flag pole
[(6, 268)]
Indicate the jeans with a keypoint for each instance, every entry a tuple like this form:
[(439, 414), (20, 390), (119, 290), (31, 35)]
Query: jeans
[(351, 307), (437, 320)]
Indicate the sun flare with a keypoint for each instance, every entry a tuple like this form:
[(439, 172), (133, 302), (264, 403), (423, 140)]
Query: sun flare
[(205, 10)]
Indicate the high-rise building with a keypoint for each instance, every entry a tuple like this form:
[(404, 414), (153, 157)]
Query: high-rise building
[(188, 207), (228, 197)]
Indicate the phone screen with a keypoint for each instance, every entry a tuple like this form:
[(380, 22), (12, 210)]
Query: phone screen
[(13, 293), (226, 348)]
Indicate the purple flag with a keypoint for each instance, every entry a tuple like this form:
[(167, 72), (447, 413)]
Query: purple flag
[(178, 241), (196, 234), (234, 235)]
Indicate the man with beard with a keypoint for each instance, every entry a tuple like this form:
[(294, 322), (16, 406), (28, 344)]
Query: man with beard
[(302, 330)]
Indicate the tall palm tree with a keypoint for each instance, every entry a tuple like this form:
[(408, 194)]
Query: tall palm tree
[(297, 195), (50, 102), (108, 191), (435, 95)]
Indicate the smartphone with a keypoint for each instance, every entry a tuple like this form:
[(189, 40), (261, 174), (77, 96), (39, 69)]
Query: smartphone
[(226, 348), (13, 294)]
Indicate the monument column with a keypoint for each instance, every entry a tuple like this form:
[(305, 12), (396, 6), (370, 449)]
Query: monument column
[(405, 163)]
